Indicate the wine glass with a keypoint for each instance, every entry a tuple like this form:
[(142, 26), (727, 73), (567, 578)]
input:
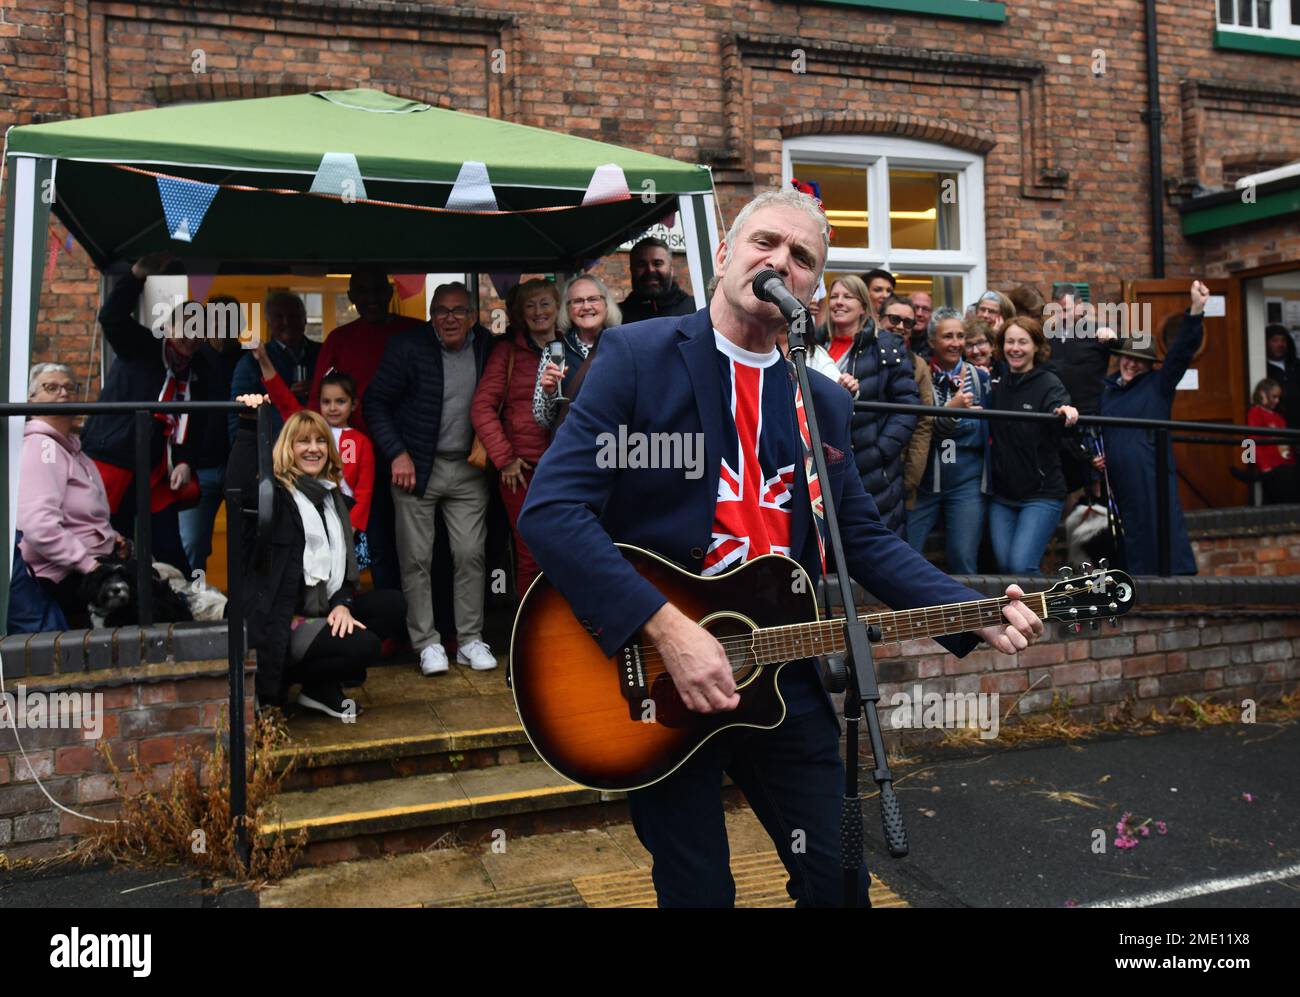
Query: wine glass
[(555, 355)]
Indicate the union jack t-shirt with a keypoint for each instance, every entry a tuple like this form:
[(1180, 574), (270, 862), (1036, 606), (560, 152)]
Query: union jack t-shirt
[(759, 457)]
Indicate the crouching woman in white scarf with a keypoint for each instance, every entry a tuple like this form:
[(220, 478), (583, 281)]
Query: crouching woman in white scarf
[(307, 620)]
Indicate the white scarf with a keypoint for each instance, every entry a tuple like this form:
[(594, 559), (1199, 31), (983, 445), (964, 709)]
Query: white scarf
[(322, 561), (338, 442)]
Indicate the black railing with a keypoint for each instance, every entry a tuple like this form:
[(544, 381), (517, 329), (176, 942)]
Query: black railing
[(1160, 427), (144, 426)]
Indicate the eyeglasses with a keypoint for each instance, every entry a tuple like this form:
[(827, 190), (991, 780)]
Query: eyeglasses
[(906, 323), (65, 387), (988, 310), (460, 311), (593, 301)]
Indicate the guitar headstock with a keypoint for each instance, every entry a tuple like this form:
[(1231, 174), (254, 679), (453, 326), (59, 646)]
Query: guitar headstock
[(1089, 596)]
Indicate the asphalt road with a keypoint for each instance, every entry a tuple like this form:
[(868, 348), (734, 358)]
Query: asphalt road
[(985, 829), (989, 828)]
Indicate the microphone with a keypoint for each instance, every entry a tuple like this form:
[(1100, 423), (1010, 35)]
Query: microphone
[(768, 286)]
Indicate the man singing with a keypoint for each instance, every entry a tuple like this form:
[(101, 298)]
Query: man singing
[(718, 374)]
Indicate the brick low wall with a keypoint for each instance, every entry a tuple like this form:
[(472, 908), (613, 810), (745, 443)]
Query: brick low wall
[(1262, 542), (151, 706), (1143, 663), (1246, 555)]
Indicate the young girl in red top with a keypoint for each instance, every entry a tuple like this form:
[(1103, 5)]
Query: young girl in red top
[(1275, 462), (338, 397)]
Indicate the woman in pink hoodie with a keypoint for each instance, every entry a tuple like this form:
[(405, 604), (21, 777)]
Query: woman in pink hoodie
[(62, 506)]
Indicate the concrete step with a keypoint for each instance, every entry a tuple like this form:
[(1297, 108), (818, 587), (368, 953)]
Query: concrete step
[(408, 725), (391, 816), (596, 867)]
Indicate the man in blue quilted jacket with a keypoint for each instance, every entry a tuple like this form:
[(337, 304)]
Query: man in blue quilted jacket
[(417, 409)]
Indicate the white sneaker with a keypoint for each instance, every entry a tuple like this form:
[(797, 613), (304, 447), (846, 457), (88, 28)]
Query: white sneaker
[(477, 655), (433, 660)]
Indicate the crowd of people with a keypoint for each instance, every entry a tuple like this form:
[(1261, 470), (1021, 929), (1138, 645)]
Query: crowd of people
[(386, 432)]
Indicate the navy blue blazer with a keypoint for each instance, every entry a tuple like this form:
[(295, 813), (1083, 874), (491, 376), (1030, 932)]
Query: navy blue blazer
[(660, 376)]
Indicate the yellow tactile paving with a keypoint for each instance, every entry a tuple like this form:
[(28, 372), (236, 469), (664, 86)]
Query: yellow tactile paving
[(760, 882)]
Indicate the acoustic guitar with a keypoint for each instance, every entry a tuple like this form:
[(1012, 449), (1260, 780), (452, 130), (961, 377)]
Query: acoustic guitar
[(617, 723)]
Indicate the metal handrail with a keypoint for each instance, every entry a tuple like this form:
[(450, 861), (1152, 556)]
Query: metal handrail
[(1160, 427), (1084, 420), (235, 636)]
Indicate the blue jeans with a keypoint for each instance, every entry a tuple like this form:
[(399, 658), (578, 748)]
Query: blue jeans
[(1020, 531), (196, 523), (963, 523), (793, 779)]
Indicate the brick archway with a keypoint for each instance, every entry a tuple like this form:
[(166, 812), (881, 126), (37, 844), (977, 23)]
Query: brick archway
[(901, 125)]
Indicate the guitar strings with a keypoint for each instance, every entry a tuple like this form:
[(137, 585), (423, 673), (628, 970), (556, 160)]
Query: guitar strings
[(767, 645)]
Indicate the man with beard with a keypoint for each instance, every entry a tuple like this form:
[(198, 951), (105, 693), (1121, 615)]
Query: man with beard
[(654, 292)]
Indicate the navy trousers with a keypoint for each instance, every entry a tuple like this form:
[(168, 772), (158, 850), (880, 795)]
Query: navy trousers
[(793, 779)]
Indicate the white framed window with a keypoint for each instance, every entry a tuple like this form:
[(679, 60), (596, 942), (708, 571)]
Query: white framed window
[(913, 208), (1277, 18)]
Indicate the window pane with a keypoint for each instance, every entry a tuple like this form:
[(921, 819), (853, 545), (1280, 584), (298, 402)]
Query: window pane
[(1245, 16), (1225, 11), (944, 289), (1264, 11), (844, 196), (1295, 13), (923, 210)]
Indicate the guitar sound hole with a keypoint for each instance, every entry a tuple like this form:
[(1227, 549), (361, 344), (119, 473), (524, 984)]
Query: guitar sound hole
[(734, 633)]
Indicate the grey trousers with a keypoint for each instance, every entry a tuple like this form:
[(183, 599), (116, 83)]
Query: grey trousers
[(462, 492)]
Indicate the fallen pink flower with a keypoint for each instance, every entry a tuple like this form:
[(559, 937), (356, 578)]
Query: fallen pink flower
[(1162, 827), (1248, 798)]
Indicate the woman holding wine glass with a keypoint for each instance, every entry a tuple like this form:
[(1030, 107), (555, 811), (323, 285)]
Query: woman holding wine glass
[(518, 370), (589, 309)]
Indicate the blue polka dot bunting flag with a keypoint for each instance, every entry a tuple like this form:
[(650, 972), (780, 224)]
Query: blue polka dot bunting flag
[(185, 203)]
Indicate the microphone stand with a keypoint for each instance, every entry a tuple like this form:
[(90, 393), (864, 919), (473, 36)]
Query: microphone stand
[(860, 681)]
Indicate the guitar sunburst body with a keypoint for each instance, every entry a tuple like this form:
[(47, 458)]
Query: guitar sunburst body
[(575, 702), (617, 723)]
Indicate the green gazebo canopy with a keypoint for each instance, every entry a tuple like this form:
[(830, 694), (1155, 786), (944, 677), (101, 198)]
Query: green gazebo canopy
[(265, 153)]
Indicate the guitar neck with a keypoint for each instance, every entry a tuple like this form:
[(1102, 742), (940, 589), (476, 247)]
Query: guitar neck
[(807, 640)]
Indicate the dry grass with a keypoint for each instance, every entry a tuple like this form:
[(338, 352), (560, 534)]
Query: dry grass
[(1057, 723), (186, 818)]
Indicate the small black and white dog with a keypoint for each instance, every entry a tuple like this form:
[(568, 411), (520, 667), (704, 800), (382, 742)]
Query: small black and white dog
[(110, 595)]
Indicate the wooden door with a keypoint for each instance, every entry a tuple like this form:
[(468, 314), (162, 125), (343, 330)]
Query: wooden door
[(1221, 394)]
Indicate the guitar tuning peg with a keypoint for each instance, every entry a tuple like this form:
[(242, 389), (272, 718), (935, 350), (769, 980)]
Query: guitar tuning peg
[(1065, 571), (1075, 628), (1104, 564), (1093, 624), (1111, 621), (1085, 567)]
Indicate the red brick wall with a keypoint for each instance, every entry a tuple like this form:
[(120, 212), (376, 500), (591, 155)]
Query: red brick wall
[(155, 719), (1066, 177), (1148, 660), (1245, 555)]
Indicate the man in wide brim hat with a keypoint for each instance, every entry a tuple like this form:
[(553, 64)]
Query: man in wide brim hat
[(1129, 348), (1140, 391)]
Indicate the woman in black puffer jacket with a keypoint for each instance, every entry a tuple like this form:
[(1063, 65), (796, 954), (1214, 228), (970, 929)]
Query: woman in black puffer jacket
[(883, 367)]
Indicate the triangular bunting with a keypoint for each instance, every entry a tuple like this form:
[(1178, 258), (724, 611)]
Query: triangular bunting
[(201, 274), (409, 284), (185, 203), (503, 282), (339, 174), (608, 184), (473, 190)]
